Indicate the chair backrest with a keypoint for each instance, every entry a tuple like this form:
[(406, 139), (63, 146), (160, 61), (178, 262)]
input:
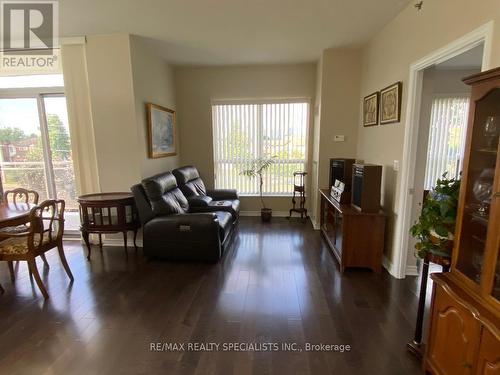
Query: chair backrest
[(189, 181), (47, 219), (164, 195), (20, 195)]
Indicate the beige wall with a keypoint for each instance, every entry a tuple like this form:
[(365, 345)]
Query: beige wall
[(197, 86), (387, 58), (315, 148), (124, 74), (113, 111), (153, 82), (339, 86)]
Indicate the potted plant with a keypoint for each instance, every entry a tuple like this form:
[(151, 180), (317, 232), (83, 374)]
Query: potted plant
[(257, 169), (435, 227)]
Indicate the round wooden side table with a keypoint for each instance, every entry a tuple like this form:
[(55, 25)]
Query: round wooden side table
[(108, 213)]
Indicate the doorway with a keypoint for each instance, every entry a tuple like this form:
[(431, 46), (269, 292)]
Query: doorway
[(444, 106), (405, 261)]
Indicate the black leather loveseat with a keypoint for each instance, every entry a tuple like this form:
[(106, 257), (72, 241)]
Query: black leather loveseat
[(202, 199), (171, 230)]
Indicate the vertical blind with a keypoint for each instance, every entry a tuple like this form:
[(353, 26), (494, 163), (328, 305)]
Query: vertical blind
[(244, 132), (446, 138)]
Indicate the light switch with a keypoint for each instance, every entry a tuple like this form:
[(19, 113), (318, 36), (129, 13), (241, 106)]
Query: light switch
[(339, 138), (396, 165)]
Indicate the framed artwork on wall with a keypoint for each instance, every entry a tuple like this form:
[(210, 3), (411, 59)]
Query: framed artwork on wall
[(390, 103), (370, 109), (161, 131)]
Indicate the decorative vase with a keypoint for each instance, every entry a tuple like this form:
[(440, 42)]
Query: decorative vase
[(445, 242), (266, 214)]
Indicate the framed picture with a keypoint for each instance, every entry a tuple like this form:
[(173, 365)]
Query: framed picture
[(390, 104), (370, 109), (161, 131)]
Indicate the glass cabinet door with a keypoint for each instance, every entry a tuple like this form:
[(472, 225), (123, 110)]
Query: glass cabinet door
[(480, 187)]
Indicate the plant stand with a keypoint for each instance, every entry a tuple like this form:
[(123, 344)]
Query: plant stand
[(416, 347), (299, 188)]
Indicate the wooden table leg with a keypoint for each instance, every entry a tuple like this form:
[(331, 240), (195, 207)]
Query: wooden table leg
[(100, 241), (415, 346), (135, 237), (125, 240), (85, 236)]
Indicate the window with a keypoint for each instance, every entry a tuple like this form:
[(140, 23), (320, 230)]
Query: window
[(35, 146), (446, 138), (246, 131)]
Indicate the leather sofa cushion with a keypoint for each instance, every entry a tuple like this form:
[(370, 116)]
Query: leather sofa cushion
[(164, 195), (189, 181)]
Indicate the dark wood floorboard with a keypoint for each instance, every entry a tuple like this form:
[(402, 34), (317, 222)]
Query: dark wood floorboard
[(278, 283)]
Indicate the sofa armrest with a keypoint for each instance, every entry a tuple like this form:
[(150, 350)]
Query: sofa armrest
[(196, 236), (142, 203), (222, 194), (199, 201)]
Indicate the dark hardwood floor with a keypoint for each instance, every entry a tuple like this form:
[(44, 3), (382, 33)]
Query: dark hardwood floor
[(278, 283)]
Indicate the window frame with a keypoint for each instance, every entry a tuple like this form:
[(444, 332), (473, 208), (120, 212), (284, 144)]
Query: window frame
[(262, 101), (39, 94)]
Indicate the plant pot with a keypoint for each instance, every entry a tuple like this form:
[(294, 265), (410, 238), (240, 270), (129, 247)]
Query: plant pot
[(266, 214), (445, 242)]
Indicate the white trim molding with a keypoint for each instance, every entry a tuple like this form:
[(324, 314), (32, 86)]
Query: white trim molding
[(257, 213), (482, 35)]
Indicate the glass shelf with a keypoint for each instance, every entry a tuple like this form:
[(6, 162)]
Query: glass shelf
[(479, 189)]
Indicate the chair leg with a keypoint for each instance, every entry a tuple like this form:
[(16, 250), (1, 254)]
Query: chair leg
[(46, 264), (60, 249), (2, 290), (11, 271), (39, 282)]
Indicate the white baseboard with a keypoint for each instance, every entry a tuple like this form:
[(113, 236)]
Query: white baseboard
[(411, 271), (315, 224), (113, 242), (389, 266), (257, 213)]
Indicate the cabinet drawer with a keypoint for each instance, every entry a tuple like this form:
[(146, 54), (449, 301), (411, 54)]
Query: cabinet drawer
[(453, 337)]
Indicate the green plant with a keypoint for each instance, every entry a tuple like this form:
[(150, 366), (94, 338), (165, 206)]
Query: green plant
[(435, 227), (257, 169)]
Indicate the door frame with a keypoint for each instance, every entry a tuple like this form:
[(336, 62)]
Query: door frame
[(481, 35)]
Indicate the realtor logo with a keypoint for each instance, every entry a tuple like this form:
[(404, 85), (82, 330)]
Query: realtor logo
[(29, 27)]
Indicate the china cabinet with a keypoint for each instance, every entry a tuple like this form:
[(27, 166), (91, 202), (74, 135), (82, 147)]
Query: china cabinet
[(464, 335)]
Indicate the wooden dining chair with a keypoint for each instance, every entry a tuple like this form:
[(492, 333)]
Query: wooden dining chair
[(20, 195), (44, 233)]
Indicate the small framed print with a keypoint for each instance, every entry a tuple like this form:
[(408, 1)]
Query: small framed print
[(370, 109), (390, 103)]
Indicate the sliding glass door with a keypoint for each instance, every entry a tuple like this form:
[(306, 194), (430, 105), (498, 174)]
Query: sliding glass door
[(36, 149)]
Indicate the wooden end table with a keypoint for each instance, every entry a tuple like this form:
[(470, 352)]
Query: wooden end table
[(104, 213)]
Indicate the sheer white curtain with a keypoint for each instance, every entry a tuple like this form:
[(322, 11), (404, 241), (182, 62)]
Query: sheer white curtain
[(446, 138), (80, 118)]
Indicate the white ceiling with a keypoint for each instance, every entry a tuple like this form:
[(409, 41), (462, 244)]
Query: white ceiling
[(211, 32)]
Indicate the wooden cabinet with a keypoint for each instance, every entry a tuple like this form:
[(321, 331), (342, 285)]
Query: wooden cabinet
[(464, 336), (488, 358), (355, 238)]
